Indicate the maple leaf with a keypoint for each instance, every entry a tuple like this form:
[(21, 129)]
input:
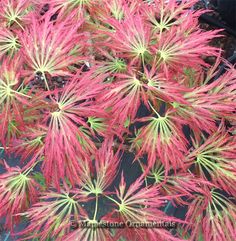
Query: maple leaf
[(106, 163), (208, 102), (165, 14), (69, 137), (130, 54), (18, 191), (30, 145), (180, 183), (140, 204), (14, 13), (88, 229), (124, 97), (162, 138), (175, 50), (111, 65), (131, 38), (9, 42), (13, 96), (159, 88), (213, 215), (214, 159), (53, 215), (48, 48)]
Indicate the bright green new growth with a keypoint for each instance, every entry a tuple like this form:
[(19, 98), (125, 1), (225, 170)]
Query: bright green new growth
[(115, 66), (97, 124), (118, 65), (158, 173)]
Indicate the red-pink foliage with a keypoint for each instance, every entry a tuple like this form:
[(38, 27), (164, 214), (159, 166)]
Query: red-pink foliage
[(87, 85)]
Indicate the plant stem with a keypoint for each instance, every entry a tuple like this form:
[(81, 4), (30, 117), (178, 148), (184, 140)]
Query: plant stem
[(96, 209), (19, 24), (45, 80), (113, 200), (7, 236), (167, 207), (154, 110), (28, 170)]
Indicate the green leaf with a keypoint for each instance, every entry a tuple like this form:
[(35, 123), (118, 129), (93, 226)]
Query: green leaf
[(38, 177)]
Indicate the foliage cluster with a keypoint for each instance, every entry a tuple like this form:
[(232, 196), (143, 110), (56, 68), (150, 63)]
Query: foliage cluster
[(73, 77)]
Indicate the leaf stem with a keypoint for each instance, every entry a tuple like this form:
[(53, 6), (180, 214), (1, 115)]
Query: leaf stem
[(19, 24), (167, 207), (96, 209), (28, 170), (45, 80), (113, 200), (154, 109), (7, 236)]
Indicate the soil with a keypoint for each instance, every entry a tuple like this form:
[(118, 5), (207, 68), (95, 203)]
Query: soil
[(228, 42)]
